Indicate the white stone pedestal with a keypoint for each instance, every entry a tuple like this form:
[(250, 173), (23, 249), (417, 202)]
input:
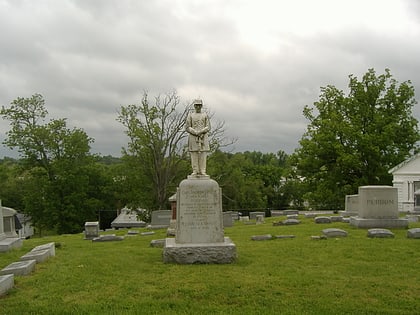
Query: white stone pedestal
[(199, 225)]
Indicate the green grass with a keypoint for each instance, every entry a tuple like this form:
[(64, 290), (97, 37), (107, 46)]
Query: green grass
[(352, 275)]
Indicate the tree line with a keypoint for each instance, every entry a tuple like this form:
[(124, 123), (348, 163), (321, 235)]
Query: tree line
[(351, 140)]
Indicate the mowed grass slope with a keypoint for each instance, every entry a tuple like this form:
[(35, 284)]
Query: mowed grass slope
[(352, 275)]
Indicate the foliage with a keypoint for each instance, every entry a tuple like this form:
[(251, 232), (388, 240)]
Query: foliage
[(295, 276), (249, 180), (354, 140), (59, 171)]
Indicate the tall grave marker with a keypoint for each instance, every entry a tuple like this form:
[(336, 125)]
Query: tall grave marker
[(199, 219)]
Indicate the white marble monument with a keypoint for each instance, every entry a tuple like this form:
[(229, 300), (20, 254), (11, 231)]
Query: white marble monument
[(199, 219), (378, 208)]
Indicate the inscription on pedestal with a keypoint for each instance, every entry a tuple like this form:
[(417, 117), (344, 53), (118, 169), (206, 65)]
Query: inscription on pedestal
[(199, 212)]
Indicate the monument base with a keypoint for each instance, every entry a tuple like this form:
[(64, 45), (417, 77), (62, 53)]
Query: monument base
[(9, 243), (378, 223), (199, 253)]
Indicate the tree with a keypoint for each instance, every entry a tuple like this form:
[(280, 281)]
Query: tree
[(354, 140), (58, 175), (156, 156)]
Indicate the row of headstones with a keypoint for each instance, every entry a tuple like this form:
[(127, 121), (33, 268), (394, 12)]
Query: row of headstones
[(335, 233), (25, 266)]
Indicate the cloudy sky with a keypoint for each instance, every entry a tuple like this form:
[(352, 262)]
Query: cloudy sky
[(255, 64)]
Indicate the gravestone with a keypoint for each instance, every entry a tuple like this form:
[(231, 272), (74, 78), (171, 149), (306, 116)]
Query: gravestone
[(199, 230), (227, 219), (160, 219), (108, 238), (380, 233), (259, 219), (333, 232), (413, 233), (50, 247), (7, 282), (253, 215), (19, 268), (91, 230), (378, 208), (39, 255), (351, 206), (127, 219), (322, 219)]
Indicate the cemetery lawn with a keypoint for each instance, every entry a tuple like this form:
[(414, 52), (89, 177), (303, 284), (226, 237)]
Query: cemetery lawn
[(352, 275)]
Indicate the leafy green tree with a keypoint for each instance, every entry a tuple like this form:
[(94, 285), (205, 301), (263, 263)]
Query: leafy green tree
[(59, 167), (354, 140)]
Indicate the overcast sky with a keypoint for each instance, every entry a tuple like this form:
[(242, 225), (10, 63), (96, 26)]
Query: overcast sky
[(255, 64)]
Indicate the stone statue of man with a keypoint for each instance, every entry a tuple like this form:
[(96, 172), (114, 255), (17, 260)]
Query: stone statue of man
[(198, 126)]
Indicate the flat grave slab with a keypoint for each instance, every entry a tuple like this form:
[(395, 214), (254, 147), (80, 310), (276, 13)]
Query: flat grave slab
[(39, 255), (6, 283), (19, 268), (10, 243), (49, 246)]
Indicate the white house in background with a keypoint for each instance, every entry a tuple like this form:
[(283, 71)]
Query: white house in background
[(406, 178)]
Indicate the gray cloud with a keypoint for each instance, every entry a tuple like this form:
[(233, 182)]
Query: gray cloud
[(90, 57)]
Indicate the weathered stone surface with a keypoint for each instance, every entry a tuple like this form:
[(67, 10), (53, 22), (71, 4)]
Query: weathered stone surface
[(292, 216), (277, 223), (259, 219), (378, 208), (380, 233), (19, 268), (253, 215), (346, 220), (310, 215), (39, 255), (332, 232), (291, 222), (49, 246), (199, 212), (9, 243), (91, 230), (132, 232), (205, 253), (264, 237), (413, 233), (322, 219), (7, 282), (157, 243), (160, 219), (244, 218), (108, 238), (227, 219), (336, 219), (285, 236)]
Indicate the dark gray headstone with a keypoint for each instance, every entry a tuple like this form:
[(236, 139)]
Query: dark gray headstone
[(322, 219), (380, 233), (413, 233), (332, 232)]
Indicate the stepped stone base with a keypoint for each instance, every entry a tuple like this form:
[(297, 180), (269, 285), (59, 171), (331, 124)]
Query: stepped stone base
[(6, 283), (378, 223), (203, 253), (9, 243)]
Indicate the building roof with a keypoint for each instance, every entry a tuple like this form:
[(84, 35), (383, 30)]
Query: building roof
[(404, 163)]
